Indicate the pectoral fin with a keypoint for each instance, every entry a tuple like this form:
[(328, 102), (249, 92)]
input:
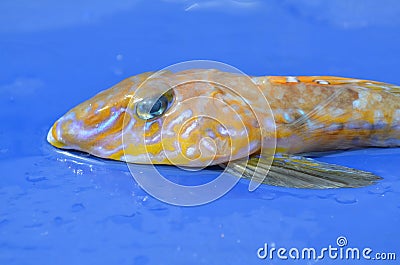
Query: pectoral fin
[(299, 172)]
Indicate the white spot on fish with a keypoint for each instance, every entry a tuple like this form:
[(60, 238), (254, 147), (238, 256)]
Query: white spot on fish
[(301, 112), (88, 108), (226, 110), (362, 101), (288, 118), (211, 133), (321, 82), (259, 80), (100, 105), (337, 112), (242, 133), (292, 79), (359, 104), (235, 107), (377, 97), (378, 114), (190, 151), (396, 116), (207, 145), (184, 115), (386, 88), (190, 128), (100, 150), (153, 139), (379, 121), (314, 125), (222, 130)]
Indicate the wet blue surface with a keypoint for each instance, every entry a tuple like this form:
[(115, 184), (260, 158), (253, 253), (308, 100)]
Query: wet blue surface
[(58, 208)]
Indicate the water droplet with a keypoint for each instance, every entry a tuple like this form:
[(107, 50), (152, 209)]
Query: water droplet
[(35, 178), (346, 198), (58, 220), (77, 207), (3, 222)]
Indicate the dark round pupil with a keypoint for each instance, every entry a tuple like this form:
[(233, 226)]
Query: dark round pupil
[(158, 106)]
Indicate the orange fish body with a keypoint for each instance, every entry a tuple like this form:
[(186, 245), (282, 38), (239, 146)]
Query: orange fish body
[(203, 117), (311, 113)]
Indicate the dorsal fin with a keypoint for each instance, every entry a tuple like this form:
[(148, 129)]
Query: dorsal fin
[(334, 80)]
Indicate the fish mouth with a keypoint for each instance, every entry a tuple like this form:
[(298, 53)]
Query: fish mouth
[(53, 139)]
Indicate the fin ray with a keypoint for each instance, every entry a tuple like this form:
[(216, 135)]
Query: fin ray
[(300, 172)]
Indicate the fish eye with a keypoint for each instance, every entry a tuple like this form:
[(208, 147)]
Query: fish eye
[(151, 108)]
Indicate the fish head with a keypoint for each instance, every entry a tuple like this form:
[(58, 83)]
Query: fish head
[(164, 118)]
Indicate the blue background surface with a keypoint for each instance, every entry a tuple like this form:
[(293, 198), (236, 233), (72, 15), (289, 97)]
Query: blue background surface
[(65, 209)]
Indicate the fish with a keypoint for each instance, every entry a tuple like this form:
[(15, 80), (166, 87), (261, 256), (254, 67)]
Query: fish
[(256, 127)]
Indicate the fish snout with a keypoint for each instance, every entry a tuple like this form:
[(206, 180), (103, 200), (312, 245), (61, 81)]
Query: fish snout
[(67, 133), (54, 137), (89, 133)]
